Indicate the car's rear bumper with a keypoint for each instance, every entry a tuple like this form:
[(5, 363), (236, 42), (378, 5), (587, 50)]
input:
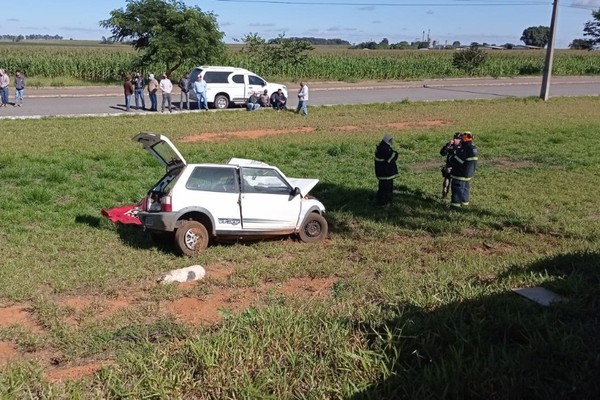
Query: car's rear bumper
[(158, 221)]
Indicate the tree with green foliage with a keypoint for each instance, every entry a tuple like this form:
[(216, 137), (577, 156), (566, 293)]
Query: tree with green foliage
[(280, 51), (456, 44), (538, 36), (591, 29), (384, 44), (581, 44), (167, 31), (469, 60)]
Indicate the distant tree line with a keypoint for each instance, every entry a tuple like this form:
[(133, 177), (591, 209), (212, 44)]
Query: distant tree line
[(18, 38), (313, 40)]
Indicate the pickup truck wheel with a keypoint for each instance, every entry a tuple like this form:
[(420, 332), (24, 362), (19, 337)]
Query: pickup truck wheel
[(191, 238), (221, 102), (313, 229)]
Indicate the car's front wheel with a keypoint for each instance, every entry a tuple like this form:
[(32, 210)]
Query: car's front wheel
[(191, 238), (313, 229), (221, 102)]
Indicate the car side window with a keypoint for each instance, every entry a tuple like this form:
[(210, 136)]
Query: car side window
[(217, 77), (213, 179), (238, 79), (264, 180), (255, 80)]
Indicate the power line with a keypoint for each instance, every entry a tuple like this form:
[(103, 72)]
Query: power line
[(323, 3)]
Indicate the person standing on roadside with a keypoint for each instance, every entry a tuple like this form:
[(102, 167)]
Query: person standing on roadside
[(4, 82), (200, 92), (184, 85), (302, 99), (152, 89), (128, 89), (19, 88), (464, 163), (385, 169), (166, 88), (138, 84)]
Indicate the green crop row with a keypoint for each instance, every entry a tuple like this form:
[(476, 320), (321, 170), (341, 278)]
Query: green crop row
[(110, 63)]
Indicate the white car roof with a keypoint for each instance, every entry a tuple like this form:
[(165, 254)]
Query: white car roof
[(245, 162), (222, 68)]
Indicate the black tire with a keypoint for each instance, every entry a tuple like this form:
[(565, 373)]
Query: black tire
[(314, 228), (221, 102), (191, 238)]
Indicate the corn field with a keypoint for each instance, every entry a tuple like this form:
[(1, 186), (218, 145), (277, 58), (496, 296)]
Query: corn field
[(108, 64)]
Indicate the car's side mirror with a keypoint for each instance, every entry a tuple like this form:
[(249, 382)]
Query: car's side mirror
[(295, 192)]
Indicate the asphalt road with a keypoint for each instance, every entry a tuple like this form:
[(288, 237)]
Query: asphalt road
[(108, 101)]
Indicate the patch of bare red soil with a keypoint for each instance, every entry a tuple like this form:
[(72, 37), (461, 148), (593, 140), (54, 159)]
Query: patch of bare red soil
[(250, 134), (206, 310), (219, 272), (404, 125), (347, 128), (308, 287), (102, 307), (74, 372), (7, 353), (17, 315)]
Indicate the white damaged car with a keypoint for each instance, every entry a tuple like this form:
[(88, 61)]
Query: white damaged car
[(240, 199)]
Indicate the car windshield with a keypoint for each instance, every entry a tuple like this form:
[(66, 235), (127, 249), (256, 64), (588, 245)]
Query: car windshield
[(263, 180)]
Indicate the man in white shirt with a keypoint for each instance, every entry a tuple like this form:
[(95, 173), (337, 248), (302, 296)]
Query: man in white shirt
[(302, 99), (166, 87), (200, 91)]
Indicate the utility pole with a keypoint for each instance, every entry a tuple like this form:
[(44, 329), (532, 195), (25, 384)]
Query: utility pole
[(545, 92)]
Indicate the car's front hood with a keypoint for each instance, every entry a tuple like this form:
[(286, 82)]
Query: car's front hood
[(305, 185)]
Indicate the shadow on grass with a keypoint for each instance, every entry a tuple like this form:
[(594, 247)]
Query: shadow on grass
[(500, 346), (89, 220), (411, 209), (131, 235)]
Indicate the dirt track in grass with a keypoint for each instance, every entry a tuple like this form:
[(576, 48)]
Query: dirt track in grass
[(256, 133)]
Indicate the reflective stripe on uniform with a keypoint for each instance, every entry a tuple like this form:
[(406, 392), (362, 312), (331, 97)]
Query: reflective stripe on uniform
[(460, 178), (391, 158), (379, 159), (465, 204), (387, 178), (472, 158), (454, 204), (460, 160)]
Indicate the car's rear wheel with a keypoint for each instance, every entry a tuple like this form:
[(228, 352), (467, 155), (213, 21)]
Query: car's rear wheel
[(191, 238), (221, 102), (313, 229)]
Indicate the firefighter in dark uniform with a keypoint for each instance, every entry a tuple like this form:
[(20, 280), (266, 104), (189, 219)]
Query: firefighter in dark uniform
[(448, 151), (464, 163), (385, 169)]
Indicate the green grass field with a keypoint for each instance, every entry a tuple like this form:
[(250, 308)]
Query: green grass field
[(412, 301), (73, 63)]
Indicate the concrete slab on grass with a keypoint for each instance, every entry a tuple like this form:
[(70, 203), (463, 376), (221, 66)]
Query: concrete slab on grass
[(540, 295)]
